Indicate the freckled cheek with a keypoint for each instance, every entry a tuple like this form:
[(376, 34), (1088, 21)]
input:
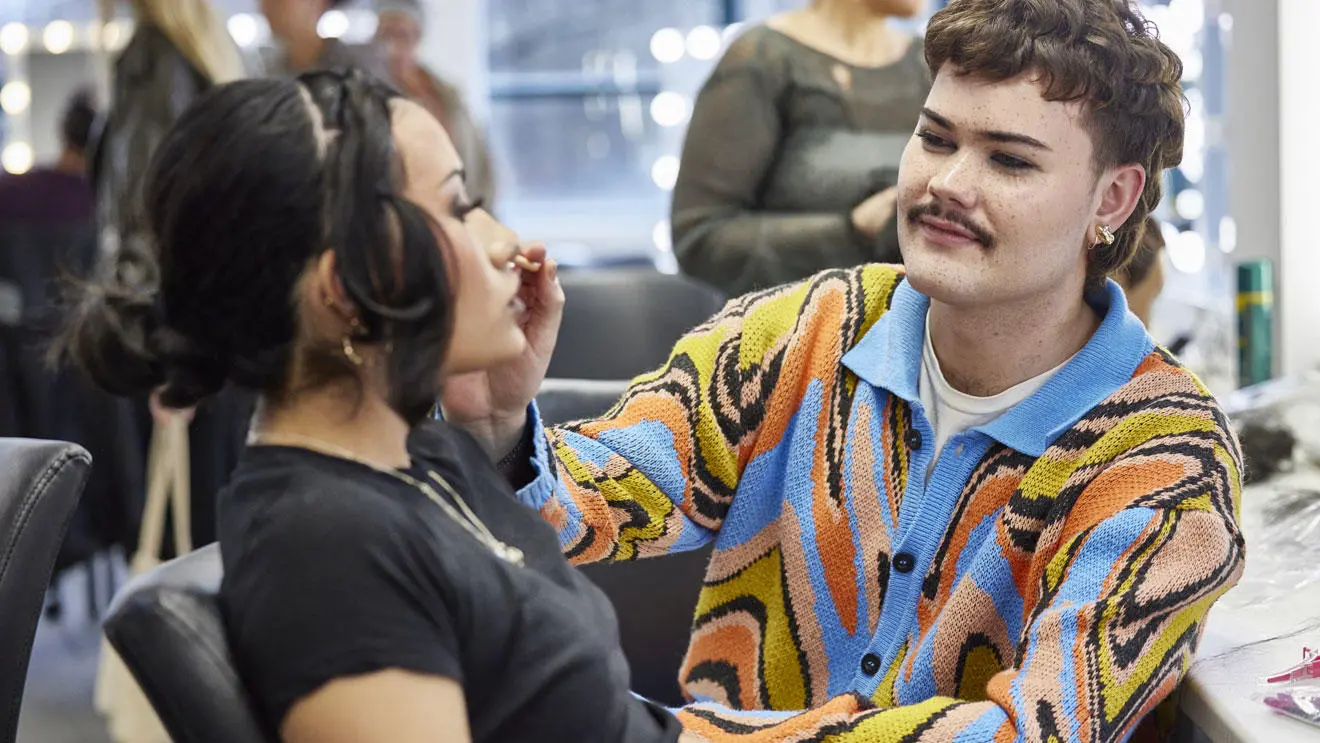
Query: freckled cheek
[(914, 176)]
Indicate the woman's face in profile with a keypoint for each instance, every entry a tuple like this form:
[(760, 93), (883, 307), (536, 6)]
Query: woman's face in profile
[(485, 282)]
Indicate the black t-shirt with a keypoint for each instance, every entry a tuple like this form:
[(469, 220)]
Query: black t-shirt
[(333, 569)]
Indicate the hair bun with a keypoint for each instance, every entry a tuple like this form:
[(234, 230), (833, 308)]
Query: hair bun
[(192, 372), (108, 335)]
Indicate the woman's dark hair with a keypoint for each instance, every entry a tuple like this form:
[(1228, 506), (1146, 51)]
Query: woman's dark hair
[(248, 188), (1151, 243)]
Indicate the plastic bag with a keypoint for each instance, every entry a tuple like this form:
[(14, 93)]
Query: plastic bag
[(1295, 692)]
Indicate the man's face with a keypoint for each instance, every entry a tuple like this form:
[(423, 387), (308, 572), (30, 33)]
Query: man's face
[(998, 198), (399, 35)]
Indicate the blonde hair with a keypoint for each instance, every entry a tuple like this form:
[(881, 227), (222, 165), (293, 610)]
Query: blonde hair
[(198, 32)]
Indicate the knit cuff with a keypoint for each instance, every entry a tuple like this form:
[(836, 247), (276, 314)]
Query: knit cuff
[(516, 466)]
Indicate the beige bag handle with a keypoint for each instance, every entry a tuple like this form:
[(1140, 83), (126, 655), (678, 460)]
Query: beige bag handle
[(169, 482)]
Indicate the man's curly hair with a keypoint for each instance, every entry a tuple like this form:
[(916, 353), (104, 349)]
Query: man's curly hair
[(1102, 53)]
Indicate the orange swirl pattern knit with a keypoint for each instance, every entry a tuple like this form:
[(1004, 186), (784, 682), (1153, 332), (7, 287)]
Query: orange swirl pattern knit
[(1049, 582)]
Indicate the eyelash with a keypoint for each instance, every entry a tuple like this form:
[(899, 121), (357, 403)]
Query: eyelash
[(461, 211), (1007, 162)]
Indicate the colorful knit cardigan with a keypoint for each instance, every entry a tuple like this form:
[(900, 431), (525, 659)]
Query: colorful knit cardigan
[(1050, 582)]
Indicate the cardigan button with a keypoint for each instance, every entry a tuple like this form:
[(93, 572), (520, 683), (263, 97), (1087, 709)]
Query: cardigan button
[(904, 562), (913, 439), (870, 664)]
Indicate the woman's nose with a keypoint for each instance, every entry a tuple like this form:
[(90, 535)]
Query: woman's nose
[(501, 243)]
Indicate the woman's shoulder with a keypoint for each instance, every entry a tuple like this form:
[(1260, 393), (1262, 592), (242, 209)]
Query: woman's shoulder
[(759, 48), (284, 500)]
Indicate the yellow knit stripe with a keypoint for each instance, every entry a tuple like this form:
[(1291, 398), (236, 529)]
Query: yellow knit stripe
[(886, 694), (1049, 474), (762, 581), (632, 487), (1117, 692), (898, 723)]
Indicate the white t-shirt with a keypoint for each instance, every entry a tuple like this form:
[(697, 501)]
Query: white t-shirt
[(951, 412)]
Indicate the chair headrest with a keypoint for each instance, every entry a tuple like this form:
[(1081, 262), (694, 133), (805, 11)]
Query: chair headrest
[(38, 494), (168, 628), (564, 400)]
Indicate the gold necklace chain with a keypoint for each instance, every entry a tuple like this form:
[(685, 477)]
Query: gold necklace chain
[(467, 519)]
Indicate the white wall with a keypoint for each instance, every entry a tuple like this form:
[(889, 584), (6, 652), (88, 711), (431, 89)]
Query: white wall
[(1272, 110), (455, 47), (1299, 166)]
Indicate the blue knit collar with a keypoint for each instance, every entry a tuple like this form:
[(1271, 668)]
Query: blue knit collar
[(889, 357)]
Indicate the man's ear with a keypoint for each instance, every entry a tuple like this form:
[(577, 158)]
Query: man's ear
[(1121, 191)]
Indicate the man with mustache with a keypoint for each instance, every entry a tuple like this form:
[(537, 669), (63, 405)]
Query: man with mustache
[(970, 501)]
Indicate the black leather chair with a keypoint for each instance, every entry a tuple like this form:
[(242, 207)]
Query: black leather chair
[(655, 599), (167, 627), (38, 494), (619, 323), (564, 400)]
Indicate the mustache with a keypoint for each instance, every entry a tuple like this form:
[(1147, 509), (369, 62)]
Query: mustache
[(933, 209)]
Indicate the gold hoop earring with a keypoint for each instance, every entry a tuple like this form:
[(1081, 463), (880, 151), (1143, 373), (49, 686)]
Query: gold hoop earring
[(354, 328), (351, 353), (1104, 234)]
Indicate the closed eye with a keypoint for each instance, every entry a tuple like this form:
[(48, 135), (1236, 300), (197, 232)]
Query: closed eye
[(1012, 163), (463, 208), (934, 141)]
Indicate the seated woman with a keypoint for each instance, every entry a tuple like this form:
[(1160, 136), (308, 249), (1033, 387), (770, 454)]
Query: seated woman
[(315, 244)]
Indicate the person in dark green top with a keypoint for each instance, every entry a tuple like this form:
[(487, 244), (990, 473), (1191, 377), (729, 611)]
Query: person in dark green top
[(792, 152)]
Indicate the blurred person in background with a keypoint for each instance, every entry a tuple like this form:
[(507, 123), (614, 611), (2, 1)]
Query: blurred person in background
[(399, 35), (58, 192), (47, 229), (791, 156), (299, 46), (179, 49), (47, 234), (1142, 279)]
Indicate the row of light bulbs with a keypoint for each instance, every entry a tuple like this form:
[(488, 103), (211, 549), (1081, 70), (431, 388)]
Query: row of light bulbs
[(247, 30), (58, 37)]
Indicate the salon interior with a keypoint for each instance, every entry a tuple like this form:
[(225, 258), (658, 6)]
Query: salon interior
[(573, 116)]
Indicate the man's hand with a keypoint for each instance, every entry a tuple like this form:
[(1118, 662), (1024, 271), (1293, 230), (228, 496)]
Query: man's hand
[(492, 404), (872, 216)]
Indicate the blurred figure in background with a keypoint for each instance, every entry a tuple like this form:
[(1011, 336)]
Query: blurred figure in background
[(46, 228), (299, 46), (1143, 278), (58, 192), (47, 233), (180, 48), (399, 35), (792, 154)]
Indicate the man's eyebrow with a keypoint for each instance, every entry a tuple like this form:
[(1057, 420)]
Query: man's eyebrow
[(992, 135)]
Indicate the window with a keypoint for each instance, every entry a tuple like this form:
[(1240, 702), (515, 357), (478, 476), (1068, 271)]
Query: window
[(588, 107)]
